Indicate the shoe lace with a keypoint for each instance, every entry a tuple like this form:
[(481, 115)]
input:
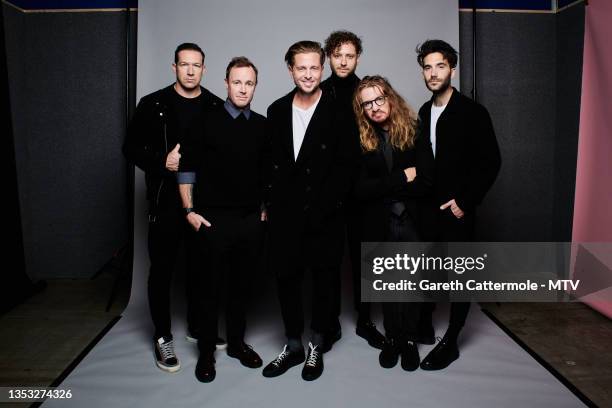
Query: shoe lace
[(167, 349), (283, 355), (313, 356)]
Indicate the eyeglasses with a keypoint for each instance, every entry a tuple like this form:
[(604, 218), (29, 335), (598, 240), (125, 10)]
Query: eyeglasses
[(380, 101)]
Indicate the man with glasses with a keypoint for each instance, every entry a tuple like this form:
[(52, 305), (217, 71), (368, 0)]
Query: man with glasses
[(312, 162), (467, 162), (162, 122)]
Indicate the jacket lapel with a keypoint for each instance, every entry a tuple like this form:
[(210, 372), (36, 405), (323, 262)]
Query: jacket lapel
[(316, 127)]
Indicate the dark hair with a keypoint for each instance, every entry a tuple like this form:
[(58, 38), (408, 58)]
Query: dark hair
[(302, 47), (240, 62), (337, 38), (187, 46), (431, 46)]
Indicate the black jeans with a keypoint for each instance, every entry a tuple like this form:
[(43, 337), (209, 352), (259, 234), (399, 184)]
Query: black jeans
[(168, 230), (230, 255)]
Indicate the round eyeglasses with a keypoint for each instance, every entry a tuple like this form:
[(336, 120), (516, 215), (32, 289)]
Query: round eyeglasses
[(380, 101)]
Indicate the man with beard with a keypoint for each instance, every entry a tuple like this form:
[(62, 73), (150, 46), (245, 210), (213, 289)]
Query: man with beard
[(162, 121), (343, 48), (312, 162), (467, 162), (225, 209)]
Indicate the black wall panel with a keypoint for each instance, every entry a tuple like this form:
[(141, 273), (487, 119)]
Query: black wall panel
[(68, 86)]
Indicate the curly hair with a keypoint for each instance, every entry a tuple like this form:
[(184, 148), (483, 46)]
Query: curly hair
[(337, 38), (402, 118)]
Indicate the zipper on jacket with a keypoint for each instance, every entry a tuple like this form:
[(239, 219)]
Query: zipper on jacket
[(162, 180)]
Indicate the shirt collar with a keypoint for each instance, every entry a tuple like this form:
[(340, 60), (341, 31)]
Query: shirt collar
[(234, 111)]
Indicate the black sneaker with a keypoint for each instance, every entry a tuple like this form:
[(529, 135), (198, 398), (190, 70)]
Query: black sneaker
[(193, 336), (285, 360), (205, 368), (313, 368), (410, 356), (445, 352), (368, 331), (390, 354), (247, 356), (165, 357)]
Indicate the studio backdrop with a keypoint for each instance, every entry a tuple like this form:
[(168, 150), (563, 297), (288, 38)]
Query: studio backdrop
[(263, 31)]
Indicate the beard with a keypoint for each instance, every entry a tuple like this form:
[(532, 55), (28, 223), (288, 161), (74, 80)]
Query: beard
[(442, 87)]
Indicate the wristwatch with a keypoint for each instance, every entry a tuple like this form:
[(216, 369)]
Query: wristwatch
[(188, 210)]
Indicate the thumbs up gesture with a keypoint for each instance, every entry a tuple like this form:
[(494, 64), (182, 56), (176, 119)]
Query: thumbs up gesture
[(173, 158)]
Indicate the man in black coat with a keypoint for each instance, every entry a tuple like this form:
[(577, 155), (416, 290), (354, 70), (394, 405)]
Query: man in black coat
[(162, 121), (467, 161), (343, 48), (312, 161)]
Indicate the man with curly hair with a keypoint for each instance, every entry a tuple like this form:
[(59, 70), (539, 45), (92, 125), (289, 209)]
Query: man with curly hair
[(343, 48)]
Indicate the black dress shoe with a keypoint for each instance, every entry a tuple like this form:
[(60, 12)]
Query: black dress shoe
[(247, 356), (330, 339), (369, 332), (205, 368), (390, 354), (313, 368), (441, 356), (410, 356), (285, 360)]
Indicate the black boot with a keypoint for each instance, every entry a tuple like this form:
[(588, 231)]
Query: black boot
[(368, 331), (390, 353), (410, 356)]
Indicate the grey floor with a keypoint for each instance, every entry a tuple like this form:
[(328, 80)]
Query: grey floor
[(41, 338)]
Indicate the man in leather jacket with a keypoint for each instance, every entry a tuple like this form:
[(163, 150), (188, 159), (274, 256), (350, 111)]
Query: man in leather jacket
[(162, 121)]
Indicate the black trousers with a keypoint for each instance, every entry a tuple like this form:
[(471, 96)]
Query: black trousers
[(401, 319), (168, 230), (229, 257), (451, 229), (353, 237), (322, 296)]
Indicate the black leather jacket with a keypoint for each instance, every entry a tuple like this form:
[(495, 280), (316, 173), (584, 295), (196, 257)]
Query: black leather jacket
[(152, 133)]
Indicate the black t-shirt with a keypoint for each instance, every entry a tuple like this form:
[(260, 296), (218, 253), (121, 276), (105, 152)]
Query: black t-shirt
[(188, 113)]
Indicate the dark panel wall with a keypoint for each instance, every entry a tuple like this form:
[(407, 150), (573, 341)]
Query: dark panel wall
[(533, 95), (570, 46), (67, 84)]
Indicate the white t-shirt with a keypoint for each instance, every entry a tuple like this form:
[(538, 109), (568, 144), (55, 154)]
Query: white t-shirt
[(436, 111), (301, 119)]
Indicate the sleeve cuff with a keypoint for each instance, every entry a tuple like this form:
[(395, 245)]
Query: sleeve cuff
[(186, 177)]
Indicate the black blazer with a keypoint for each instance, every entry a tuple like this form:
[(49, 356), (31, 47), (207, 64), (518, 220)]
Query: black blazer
[(377, 187), (305, 196), (467, 160)]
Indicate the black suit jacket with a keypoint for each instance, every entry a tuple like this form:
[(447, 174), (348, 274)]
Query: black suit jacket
[(305, 196), (467, 162), (377, 187)]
